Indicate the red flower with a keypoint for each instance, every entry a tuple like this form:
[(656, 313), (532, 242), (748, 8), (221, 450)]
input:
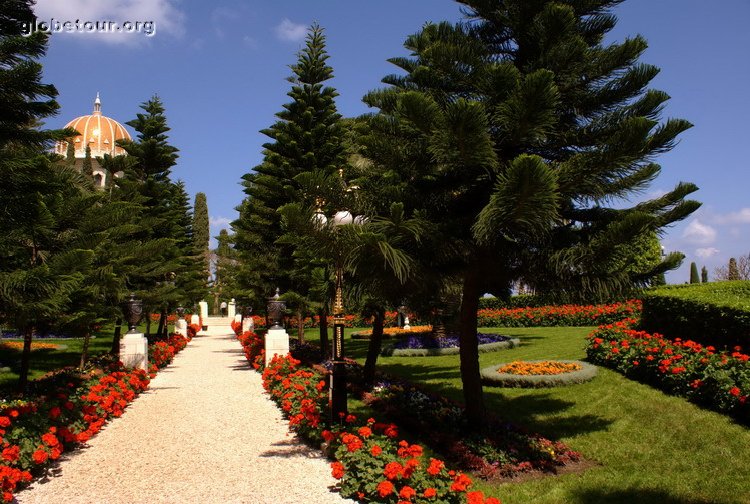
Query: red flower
[(393, 470), (407, 492), (475, 497), (11, 453), (492, 500), (337, 470), (5, 421), (50, 439), (365, 432), (54, 412), (430, 492), (435, 467), (460, 483), (385, 488), (734, 391), (376, 450), (40, 456)]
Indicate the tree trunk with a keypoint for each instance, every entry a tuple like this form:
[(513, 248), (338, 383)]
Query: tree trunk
[(469, 352), (323, 323), (23, 377), (373, 349), (165, 316), (148, 326), (162, 323), (438, 328), (85, 351), (115, 350), (300, 326)]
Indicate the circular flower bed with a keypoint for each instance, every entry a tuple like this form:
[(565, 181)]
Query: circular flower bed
[(532, 374), (423, 345)]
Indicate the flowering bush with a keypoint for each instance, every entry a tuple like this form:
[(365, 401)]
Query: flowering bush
[(719, 380), (394, 332), (539, 368), (565, 315), (72, 409), (35, 345), (450, 341)]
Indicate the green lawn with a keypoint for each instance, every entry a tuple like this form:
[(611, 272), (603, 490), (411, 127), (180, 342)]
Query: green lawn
[(44, 360), (648, 447)]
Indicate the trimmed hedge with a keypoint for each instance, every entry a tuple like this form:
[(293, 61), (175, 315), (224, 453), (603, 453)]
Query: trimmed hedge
[(390, 351), (716, 313), (491, 377)]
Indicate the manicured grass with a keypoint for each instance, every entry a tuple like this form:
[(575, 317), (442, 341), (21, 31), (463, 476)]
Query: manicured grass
[(649, 447), (46, 360)]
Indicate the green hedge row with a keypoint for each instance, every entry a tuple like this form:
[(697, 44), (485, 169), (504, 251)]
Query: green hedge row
[(716, 314)]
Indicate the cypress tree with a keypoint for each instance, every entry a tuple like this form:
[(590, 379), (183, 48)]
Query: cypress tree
[(510, 134), (694, 278), (306, 138), (202, 233), (70, 154), (86, 167), (704, 275), (733, 271)]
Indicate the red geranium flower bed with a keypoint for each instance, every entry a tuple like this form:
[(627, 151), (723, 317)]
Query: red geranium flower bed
[(72, 409)]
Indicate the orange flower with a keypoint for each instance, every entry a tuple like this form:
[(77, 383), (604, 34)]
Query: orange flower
[(539, 368), (435, 467), (430, 492), (365, 432), (39, 456), (393, 470), (460, 483), (376, 450)]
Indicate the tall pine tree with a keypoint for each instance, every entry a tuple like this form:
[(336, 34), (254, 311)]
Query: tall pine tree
[(202, 233), (305, 139)]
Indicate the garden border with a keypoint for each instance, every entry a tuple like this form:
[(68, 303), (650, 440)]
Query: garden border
[(491, 377)]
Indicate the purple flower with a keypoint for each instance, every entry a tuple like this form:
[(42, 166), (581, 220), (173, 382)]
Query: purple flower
[(451, 341)]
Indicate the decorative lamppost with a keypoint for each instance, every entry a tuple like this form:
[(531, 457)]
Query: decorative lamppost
[(337, 391)]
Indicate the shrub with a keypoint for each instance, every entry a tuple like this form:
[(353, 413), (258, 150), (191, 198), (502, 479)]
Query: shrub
[(492, 346), (716, 313), (718, 380)]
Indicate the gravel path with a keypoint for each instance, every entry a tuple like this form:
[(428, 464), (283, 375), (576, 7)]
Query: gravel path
[(204, 432)]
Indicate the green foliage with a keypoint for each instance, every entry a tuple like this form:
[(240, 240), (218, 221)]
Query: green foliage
[(694, 278), (86, 166), (70, 154), (306, 139), (716, 313), (704, 275), (201, 232), (733, 271)]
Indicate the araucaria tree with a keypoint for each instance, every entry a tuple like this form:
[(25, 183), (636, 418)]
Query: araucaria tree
[(305, 138), (513, 134)]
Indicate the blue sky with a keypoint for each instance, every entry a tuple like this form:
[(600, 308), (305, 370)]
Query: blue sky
[(220, 69)]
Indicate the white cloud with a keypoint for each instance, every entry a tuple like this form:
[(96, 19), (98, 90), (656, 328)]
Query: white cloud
[(219, 222), (741, 216), (164, 16), (705, 253), (291, 32), (698, 233)]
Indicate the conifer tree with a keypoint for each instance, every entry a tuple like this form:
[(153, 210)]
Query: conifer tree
[(306, 138), (201, 232), (511, 134), (704, 275), (86, 167), (70, 154), (694, 278), (733, 270), (39, 268)]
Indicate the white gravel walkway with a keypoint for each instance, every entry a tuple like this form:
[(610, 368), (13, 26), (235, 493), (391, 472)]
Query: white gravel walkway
[(204, 432)]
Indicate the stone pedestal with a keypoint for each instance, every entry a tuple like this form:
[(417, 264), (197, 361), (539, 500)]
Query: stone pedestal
[(134, 351), (248, 324), (231, 309), (276, 343), (195, 319), (204, 313), (180, 327), (238, 317)]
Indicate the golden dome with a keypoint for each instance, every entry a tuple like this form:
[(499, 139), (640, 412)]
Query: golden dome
[(96, 131)]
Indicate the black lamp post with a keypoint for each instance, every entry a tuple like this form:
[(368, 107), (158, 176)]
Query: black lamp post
[(133, 313)]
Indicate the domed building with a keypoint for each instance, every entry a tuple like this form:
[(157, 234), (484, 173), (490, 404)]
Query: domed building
[(98, 132)]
